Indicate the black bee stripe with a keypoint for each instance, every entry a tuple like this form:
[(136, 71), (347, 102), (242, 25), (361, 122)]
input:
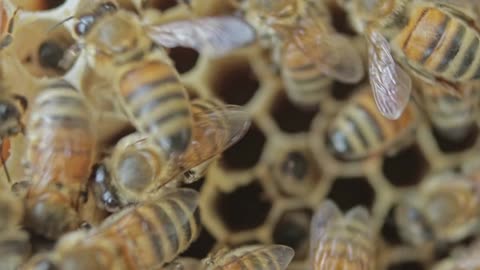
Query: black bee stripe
[(372, 123), (358, 131), (168, 226), (183, 219), (468, 58), (452, 49), (407, 40), (147, 87), (440, 32), (153, 236), (65, 121), (152, 104), (184, 113), (63, 101)]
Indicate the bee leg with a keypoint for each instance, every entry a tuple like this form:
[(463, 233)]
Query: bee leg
[(7, 174), (8, 38)]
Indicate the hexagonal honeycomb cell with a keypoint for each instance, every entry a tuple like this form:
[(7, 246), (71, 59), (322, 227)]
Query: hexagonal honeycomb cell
[(265, 188)]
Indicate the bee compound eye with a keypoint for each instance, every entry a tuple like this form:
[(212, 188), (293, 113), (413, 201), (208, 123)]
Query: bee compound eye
[(84, 24)]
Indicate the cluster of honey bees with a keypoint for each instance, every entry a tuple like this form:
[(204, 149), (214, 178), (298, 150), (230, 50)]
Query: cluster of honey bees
[(416, 61)]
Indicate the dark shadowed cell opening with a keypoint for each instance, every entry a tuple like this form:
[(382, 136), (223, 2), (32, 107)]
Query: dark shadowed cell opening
[(340, 21), (291, 118), (161, 5), (293, 230), (245, 208), (201, 247), (389, 230), (235, 82), (341, 91), (350, 192), (185, 59), (245, 153), (406, 265), (295, 165), (406, 168), (450, 145)]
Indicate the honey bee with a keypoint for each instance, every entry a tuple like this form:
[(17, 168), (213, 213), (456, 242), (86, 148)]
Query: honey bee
[(14, 243), (341, 241), (451, 115), (307, 49), (253, 257), (359, 131), (445, 208), (436, 40), (119, 44), (144, 236), (137, 170), (61, 149)]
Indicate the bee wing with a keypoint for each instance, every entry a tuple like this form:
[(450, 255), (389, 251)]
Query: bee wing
[(212, 36), (221, 128), (391, 85), (333, 54), (325, 214)]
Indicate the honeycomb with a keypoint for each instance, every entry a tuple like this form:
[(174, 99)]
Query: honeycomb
[(265, 188)]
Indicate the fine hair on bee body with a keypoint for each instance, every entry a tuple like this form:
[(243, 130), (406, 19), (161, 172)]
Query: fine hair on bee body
[(252, 257), (137, 170), (342, 241), (436, 41), (453, 116), (359, 131), (61, 148), (146, 235)]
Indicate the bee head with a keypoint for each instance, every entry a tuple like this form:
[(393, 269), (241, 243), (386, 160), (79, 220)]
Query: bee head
[(105, 194), (10, 115), (85, 22)]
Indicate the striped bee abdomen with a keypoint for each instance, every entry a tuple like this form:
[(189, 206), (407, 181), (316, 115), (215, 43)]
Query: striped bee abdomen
[(305, 82), (155, 232), (359, 130), (442, 44), (158, 105), (342, 241), (254, 257)]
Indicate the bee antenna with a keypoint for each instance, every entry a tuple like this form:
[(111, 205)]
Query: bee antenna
[(4, 164), (59, 23)]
